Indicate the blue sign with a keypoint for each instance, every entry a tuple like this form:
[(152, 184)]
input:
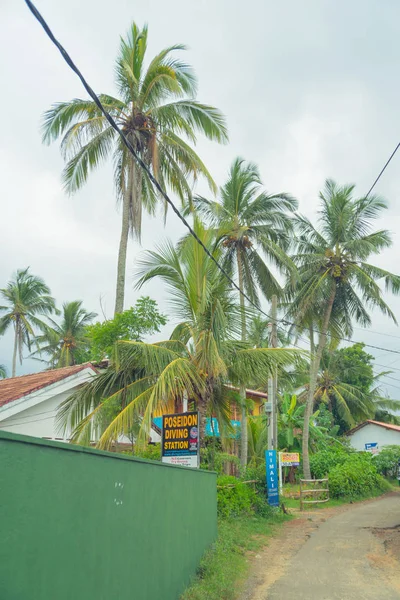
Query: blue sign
[(372, 447), (212, 428), (272, 477)]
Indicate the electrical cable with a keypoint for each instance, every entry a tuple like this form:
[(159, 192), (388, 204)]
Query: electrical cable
[(36, 415), (28, 422), (154, 181), (383, 170), (387, 367), (378, 332)]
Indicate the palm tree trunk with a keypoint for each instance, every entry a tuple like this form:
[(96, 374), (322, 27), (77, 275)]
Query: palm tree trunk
[(121, 267), (131, 217), (242, 389), (312, 345), (127, 202), (14, 360), (314, 368)]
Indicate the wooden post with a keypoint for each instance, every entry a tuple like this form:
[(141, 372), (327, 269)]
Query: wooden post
[(313, 490)]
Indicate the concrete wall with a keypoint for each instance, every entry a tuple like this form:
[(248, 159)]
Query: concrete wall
[(373, 433), (80, 524)]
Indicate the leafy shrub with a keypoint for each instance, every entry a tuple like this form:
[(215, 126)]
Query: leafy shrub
[(323, 461), (257, 474), (387, 460), (236, 500), (151, 452), (215, 460), (262, 508), (356, 477)]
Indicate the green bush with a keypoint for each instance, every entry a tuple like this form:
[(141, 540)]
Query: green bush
[(213, 459), (323, 461), (356, 477), (151, 452), (387, 460), (257, 474), (239, 499)]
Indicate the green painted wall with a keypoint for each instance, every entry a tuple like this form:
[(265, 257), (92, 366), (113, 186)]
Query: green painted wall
[(80, 524)]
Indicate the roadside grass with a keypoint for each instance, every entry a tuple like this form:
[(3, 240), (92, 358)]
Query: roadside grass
[(224, 568)]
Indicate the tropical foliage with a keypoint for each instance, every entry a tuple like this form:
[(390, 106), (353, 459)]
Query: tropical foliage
[(352, 402), (334, 277), (202, 355), (220, 344), (65, 343), (157, 110), (250, 225), (26, 298), (140, 320)]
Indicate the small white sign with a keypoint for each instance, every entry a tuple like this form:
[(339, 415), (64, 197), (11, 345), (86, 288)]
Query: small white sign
[(182, 461)]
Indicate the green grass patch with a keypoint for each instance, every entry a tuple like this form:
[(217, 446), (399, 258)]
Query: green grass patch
[(224, 568)]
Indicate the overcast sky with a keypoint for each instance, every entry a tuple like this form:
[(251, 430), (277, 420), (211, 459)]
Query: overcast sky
[(310, 90)]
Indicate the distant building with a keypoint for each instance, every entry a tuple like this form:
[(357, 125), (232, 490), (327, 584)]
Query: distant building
[(29, 404), (372, 436)]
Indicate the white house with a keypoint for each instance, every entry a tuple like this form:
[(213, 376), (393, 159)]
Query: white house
[(29, 404), (372, 436)]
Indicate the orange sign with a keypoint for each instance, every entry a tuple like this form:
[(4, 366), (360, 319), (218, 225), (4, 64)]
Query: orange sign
[(290, 459)]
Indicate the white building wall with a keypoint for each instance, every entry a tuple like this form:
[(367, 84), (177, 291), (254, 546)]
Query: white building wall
[(374, 433), (39, 420)]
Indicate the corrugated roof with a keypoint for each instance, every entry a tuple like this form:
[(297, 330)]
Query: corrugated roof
[(371, 422), (16, 387)]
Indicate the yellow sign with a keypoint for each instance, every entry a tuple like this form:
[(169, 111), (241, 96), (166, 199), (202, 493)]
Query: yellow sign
[(290, 459)]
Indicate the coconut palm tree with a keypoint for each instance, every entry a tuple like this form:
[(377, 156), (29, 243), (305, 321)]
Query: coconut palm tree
[(335, 278), (202, 355), (63, 342), (250, 225), (27, 298), (290, 423), (155, 108)]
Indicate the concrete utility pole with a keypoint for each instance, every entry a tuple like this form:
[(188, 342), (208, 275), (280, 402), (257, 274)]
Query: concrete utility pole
[(272, 381)]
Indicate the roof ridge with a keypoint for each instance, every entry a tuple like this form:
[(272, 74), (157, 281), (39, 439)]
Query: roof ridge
[(87, 363)]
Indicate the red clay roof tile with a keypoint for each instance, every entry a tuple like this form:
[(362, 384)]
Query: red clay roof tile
[(16, 387)]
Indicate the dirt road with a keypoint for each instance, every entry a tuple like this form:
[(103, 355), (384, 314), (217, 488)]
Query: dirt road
[(350, 553)]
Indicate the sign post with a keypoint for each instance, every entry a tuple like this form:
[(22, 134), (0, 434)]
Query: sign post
[(287, 459), (272, 477), (180, 439)]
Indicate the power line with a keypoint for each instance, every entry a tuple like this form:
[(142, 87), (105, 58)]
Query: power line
[(384, 168), (28, 422), (397, 337), (36, 415), (154, 181), (390, 377), (386, 367), (285, 322)]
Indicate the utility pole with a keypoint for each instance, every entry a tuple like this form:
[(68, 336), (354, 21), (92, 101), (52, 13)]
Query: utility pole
[(272, 381)]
